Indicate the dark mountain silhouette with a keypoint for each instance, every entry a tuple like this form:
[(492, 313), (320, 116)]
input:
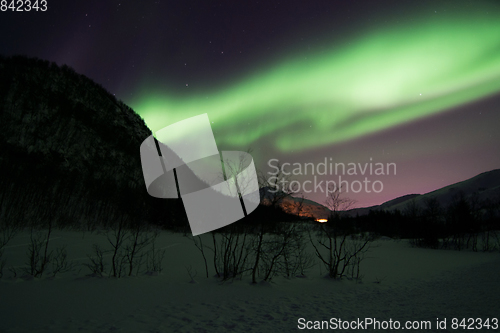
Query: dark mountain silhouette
[(70, 151)]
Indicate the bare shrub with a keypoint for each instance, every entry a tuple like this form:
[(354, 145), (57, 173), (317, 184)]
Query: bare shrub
[(38, 253), (284, 253), (335, 243), (339, 252), (295, 260), (7, 233), (137, 241), (154, 259), (198, 242), (96, 264), (231, 248), (128, 252), (116, 238), (60, 262)]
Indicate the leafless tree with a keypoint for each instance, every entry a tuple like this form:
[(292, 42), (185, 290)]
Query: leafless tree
[(232, 249), (336, 203), (284, 252), (115, 238), (335, 244)]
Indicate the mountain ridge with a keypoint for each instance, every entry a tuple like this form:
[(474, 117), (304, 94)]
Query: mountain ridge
[(484, 186)]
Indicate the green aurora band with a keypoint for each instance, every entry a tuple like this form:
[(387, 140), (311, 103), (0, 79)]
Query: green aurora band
[(383, 79)]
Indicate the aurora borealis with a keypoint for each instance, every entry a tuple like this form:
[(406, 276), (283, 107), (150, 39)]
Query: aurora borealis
[(382, 80), (414, 83)]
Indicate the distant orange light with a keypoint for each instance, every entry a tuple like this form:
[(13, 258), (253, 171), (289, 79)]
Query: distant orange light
[(322, 220)]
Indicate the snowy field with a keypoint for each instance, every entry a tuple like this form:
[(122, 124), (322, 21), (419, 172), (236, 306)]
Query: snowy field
[(400, 283)]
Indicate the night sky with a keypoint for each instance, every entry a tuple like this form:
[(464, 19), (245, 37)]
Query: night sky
[(415, 83)]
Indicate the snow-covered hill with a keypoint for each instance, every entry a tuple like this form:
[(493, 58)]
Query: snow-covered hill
[(483, 186)]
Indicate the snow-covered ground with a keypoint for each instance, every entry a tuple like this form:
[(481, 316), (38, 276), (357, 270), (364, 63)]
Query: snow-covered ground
[(400, 283)]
